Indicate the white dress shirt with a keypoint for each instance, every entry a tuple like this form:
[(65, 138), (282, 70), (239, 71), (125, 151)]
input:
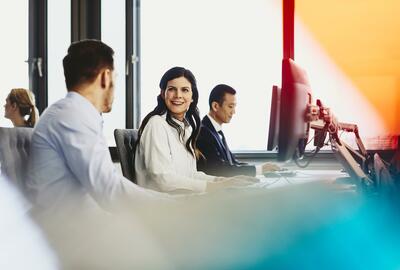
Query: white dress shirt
[(162, 161), (218, 127), (215, 124), (70, 162)]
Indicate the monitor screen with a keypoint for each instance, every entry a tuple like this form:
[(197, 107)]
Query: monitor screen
[(294, 99), (273, 132)]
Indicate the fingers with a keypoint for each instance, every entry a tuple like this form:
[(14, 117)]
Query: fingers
[(226, 182), (250, 179), (220, 179), (240, 183), (247, 178), (270, 167)]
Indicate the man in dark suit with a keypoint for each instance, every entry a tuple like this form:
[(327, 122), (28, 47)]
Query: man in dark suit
[(217, 159)]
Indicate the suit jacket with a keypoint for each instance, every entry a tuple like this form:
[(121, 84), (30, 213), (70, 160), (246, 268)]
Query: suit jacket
[(215, 160)]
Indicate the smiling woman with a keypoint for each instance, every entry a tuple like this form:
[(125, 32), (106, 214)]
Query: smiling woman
[(178, 97), (166, 150), (175, 106)]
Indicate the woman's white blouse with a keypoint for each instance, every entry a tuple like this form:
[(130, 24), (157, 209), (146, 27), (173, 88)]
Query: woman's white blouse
[(162, 161)]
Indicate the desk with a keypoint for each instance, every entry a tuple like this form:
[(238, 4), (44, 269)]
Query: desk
[(293, 227), (323, 168)]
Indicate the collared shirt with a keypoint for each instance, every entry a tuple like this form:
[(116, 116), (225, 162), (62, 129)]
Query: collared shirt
[(218, 128), (162, 161), (215, 124), (70, 161)]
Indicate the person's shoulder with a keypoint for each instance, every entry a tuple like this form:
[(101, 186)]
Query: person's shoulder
[(204, 119), (157, 120), (205, 126), (65, 110), (156, 126), (62, 106), (206, 122), (50, 115), (156, 123), (205, 134), (204, 129), (64, 113)]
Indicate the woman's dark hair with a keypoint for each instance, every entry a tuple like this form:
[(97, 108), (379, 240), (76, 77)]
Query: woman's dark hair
[(192, 116)]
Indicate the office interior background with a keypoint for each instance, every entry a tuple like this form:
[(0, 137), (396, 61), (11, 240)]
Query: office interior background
[(348, 48)]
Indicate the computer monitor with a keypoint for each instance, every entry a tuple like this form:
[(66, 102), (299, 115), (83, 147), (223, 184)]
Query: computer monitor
[(294, 100), (273, 132), (292, 113)]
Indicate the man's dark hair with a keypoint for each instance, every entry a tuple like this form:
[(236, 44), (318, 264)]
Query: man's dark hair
[(84, 61), (218, 93)]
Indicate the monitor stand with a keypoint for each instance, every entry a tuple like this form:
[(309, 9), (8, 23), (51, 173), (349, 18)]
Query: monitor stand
[(357, 164), (340, 149)]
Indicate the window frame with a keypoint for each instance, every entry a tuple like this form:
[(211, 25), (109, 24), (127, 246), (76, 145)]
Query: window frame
[(37, 60), (86, 23)]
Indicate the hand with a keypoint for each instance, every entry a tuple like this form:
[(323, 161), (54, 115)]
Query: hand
[(269, 167), (244, 178), (226, 182)]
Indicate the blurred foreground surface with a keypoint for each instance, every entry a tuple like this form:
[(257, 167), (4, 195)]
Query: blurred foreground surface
[(308, 226)]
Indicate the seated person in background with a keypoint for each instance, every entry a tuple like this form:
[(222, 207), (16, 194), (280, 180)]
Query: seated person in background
[(166, 151), (20, 103), (217, 159), (70, 166)]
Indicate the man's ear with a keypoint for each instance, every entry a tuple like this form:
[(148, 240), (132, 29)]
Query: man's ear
[(105, 78), (214, 106)]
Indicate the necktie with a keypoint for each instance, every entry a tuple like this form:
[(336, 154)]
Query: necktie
[(227, 152)]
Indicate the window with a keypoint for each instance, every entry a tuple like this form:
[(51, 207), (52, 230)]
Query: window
[(220, 42), (59, 39), (351, 63), (113, 34), (14, 51)]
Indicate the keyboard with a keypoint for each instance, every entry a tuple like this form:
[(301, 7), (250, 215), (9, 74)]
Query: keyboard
[(283, 172)]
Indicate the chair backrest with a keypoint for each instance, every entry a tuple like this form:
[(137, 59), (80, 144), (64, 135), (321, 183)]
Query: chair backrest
[(125, 140), (14, 154)]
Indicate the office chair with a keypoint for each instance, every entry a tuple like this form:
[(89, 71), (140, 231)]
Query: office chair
[(14, 153), (125, 140)]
